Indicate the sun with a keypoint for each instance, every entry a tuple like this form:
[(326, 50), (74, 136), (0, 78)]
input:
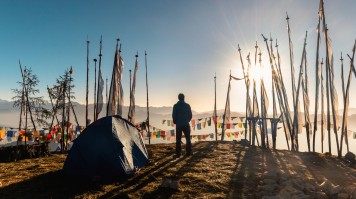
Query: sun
[(257, 73)]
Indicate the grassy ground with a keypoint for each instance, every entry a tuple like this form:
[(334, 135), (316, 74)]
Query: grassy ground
[(216, 170)]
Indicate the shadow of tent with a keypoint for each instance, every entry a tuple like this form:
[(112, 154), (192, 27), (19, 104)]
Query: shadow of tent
[(53, 185)]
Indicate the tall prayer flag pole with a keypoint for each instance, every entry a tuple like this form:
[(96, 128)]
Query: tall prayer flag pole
[(251, 135), (330, 81), (215, 113), (248, 99), (317, 83), (255, 109), (264, 107), (22, 95), (322, 106), (227, 108), (306, 101), (130, 91), (283, 104), (120, 101), (344, 100), (131, 113), (112, 100), (274, 121), (87, 86), (99, 96), (68, 116), (106, 89), (148, 109), (95, 60), (294, 135), (296, 125), (63, 110)]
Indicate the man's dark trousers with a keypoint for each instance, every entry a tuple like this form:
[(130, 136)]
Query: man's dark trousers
[(186, 130)]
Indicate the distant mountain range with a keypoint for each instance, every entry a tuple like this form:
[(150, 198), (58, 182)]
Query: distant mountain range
[(9, 116)]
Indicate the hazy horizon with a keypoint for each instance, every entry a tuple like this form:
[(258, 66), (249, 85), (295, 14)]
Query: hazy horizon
[(353, 110)]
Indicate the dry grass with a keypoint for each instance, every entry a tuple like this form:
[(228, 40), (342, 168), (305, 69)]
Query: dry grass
[(216, 170)]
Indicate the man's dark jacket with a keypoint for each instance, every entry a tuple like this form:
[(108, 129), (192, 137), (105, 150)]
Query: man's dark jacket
[(182, 113)]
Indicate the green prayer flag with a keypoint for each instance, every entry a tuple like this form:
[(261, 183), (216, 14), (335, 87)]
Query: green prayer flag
[(245, 125)]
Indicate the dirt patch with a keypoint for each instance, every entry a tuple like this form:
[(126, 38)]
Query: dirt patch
[(215, 170)]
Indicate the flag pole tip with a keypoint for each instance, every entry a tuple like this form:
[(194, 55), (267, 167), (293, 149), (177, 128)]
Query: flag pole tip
[(265, 39)]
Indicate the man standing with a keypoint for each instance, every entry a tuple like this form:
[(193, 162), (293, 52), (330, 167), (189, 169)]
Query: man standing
[(182, 114)]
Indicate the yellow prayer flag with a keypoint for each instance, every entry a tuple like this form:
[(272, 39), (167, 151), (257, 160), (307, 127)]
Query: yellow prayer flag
[(35, 134), (2, 133)]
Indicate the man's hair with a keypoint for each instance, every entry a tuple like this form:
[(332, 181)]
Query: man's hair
[(181, 96)]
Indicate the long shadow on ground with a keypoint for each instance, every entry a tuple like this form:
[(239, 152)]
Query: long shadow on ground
[(51, 185), (242, 183), (151, 175)]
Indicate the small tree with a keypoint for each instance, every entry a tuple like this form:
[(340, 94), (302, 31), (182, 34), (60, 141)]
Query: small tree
[(26, 99), (62, 94)]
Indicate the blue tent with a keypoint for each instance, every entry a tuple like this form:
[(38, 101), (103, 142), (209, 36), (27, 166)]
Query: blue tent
[(111, 146)]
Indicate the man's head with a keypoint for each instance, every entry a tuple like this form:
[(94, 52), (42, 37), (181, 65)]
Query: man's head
[(181, 96)]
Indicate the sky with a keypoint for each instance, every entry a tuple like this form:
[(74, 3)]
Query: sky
[(187, 43)]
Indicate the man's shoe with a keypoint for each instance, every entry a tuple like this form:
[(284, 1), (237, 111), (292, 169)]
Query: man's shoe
[(189, 154), (176, 156)]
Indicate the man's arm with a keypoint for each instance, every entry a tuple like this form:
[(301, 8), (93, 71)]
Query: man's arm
[(174, 115), (189, 113)]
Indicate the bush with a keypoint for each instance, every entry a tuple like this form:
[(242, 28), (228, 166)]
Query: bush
[(15, 153)]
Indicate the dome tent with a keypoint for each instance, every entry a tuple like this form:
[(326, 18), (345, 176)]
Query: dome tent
[(111, 146)]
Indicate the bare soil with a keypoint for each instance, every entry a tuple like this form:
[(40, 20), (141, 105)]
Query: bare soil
[(215, 170)]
